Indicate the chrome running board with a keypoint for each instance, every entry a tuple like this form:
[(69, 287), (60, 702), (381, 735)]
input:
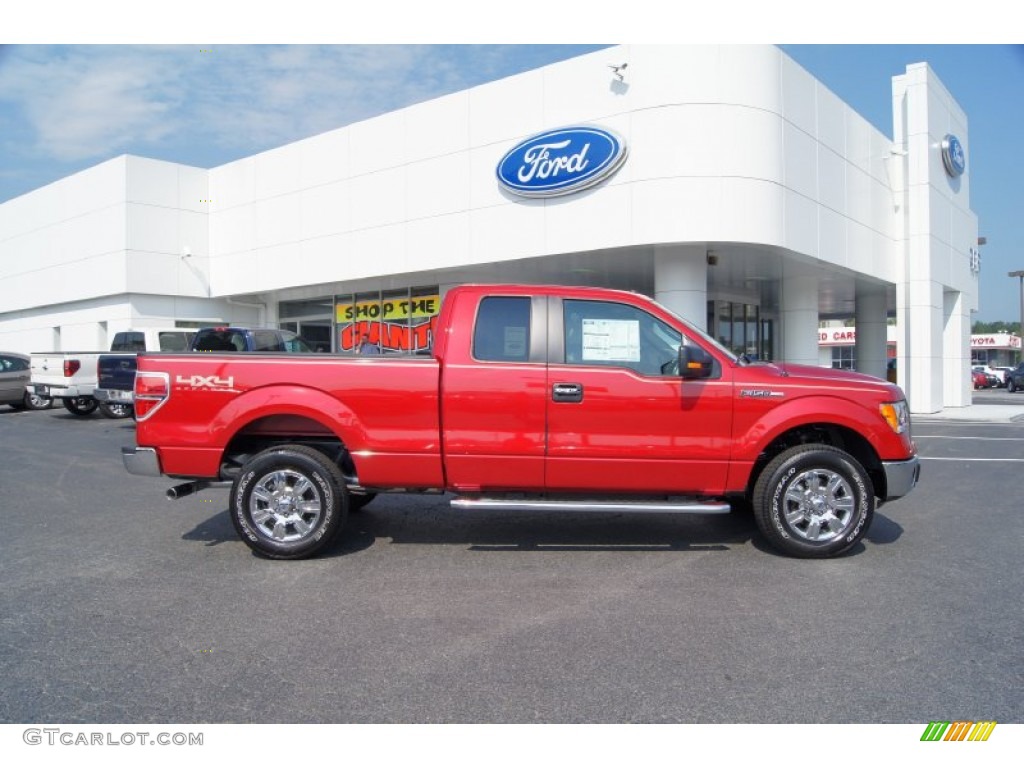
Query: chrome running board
[(589, 505)]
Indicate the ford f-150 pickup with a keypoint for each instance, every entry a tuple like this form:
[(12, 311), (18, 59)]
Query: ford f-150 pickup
[(534, 398)]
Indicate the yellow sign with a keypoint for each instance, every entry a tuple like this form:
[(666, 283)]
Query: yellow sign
[(389, 310)]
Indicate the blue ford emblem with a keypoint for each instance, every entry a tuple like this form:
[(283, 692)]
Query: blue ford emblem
[(561, 162), (953, 156)]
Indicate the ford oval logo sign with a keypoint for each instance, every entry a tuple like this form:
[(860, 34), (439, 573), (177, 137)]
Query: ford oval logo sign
[(953, 156), (561, 162)]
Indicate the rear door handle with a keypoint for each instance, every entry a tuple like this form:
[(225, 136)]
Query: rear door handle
[(564, 392)]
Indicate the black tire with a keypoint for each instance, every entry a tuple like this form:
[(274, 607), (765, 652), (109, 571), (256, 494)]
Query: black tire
[(34, 402), (1011, 385), (813, 501), (288, 502), (116, 410), (80, 406)]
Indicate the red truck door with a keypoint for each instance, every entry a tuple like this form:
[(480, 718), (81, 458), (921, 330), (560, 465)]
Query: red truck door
[(494, 393), (619, 417)]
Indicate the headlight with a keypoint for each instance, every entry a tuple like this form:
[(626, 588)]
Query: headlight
[(897, 415)]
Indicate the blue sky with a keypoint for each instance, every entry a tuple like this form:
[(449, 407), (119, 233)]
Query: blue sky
[(68, 106)]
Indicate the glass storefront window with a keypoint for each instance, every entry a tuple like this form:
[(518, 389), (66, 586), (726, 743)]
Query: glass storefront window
[(396, 322)]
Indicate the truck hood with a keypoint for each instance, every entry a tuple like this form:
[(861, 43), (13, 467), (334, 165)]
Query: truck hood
[(810, 374)]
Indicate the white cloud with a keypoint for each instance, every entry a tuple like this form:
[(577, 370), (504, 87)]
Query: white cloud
[(206, 105)]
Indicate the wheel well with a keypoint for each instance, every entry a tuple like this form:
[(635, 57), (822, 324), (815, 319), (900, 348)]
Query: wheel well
[(270, 431), (828, 434)]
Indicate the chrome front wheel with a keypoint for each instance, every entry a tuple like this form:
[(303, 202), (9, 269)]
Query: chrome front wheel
[(813, 500)]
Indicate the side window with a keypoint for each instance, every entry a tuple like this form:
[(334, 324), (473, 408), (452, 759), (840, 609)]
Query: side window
[(606, 333), (502, 332), (266, 341)]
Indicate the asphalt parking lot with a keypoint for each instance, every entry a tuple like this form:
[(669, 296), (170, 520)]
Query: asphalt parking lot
[(121, 607)]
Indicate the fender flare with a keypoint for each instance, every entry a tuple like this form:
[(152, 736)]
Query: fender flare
[(288, 400)]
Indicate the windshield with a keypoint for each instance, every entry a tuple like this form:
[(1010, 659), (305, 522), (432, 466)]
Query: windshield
[(708, 340)]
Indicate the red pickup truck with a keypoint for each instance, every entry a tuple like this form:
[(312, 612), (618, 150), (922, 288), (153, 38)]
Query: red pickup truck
[(533, 397)]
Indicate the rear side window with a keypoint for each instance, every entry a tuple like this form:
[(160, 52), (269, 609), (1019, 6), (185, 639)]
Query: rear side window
[(266, 341), (219, 340), (129, 341), (294, 343), (174, 341), (502, 332)]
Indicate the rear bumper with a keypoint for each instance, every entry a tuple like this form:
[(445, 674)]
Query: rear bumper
[(901, 477), (141, 461), (60, 392), (122, 396)]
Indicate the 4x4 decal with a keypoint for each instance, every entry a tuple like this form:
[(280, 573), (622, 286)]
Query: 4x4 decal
[(196, 381)]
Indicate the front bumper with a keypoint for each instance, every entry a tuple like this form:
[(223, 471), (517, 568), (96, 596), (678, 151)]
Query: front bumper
[(901, 477), (141, 461), (120, 396)]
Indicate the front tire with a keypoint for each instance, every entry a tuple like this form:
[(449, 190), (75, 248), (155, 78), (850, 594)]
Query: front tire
[(813, 501), (1011, 385), (80, 406), (116, 410), (288, 502)]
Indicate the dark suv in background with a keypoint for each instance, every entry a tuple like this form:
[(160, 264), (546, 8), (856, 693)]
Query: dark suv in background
[(232, 339), (1015, 378)]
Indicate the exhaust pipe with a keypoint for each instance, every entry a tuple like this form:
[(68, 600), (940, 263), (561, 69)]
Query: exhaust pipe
[(185, 489)]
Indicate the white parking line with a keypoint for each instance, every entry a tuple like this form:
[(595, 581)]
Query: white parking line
[(961, 437), (954, 458)]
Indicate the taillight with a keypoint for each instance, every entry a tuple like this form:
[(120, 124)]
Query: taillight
[(152, 388), (71, 368)]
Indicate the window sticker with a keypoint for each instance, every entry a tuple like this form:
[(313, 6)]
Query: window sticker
[(611, 340), (515, 342)]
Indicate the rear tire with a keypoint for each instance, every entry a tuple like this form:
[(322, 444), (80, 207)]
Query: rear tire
[(288, 502), (813, 501), (80, 406), (1011, 385), (116, 410), (36, 403)]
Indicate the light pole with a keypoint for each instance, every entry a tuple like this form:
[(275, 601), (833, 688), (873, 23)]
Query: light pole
[(1019, 274)]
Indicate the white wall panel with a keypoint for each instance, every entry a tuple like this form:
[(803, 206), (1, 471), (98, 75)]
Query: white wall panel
[(324, 159), (801, 218), (507, 232), (507, 110), (437, 186), (380, 144), (441, 128), (278, 220), (831, 191), (325, 210), (664, 208), (594, 220), (752, 75), (278, 171)]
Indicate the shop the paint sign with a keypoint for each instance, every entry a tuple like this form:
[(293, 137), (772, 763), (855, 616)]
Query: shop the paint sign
[(561, 162)]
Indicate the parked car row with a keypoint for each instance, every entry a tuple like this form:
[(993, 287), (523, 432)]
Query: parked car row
[(15, 375), (86, 381)]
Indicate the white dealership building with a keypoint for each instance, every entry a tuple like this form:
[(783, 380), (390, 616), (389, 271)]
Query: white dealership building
[(745, 196)]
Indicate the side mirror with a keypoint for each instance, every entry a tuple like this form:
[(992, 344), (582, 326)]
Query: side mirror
[(694, 362)]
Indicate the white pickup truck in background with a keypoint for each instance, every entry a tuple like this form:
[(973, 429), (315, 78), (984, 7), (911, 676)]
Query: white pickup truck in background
[(72, 376)]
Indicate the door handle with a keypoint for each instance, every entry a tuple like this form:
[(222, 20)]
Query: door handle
[(564, 392)]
